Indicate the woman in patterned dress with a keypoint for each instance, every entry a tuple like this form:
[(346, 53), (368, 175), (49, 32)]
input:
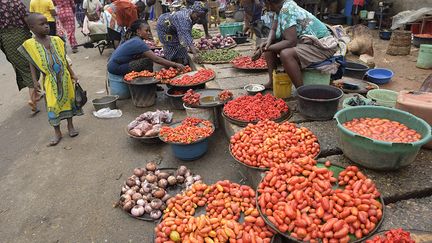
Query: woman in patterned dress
[(175, 31), (13, 32), (297, 38), (48, 55), (66, 16)]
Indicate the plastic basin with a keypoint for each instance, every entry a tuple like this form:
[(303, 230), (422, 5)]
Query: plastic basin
[(355, 70), (230, 28), (109, 101), (379, 75), (176, 100), (318, 102), (385, 34), (189, 152), (383, 97), (374, 154)]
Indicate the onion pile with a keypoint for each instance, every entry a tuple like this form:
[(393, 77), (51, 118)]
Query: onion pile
[(145, 192), (216, 42), (159, 53)]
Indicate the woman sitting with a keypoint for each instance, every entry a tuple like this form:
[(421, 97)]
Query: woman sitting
[(134, 54), (298, 38), (175, 31)]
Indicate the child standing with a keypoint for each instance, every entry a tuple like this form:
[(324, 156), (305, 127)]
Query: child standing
[(48, 55)]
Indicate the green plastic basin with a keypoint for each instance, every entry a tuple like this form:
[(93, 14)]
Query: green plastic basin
[(383, 97), (374, 154)]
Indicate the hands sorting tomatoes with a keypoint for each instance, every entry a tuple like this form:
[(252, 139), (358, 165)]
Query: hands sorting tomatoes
[(393, 236), (165, 75), (255, 108), (130, 76), (383, 130), (267, 144), (298, 199), (225, 202), (191, 130), (191, 97), (201, 76), (225, 95), (246, 62)]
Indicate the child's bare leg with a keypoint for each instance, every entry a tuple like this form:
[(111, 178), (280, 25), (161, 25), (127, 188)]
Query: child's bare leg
[(33, 100), (57, 136), (71, 129)]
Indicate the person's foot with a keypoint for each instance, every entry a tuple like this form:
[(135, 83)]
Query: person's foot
[(74, 49), (73, 132), (54, 141), (34, 112), (32, 105)]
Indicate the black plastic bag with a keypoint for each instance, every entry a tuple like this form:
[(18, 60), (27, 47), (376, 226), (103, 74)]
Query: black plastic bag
[(80, 96)]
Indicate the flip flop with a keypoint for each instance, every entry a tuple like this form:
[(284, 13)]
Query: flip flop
[(73, 134), (54, 141), (34, 112)]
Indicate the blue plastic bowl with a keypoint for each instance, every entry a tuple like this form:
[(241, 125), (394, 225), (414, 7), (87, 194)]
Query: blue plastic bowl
[(190, 152), (379, 75)]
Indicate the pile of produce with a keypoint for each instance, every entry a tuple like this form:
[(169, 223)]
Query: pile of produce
[(393, 236), (217, 56), (189, 131), (130, 76), (298, 199), (224, 201), (191, 98), (145, 192), (225, 95), (217, 42), (255, 108), (199, 77), (196, 33), (246, 62), (359, 101), (268, 144), (167, 74), (149, 123), (150, 44), (159, 52), (383, 130)]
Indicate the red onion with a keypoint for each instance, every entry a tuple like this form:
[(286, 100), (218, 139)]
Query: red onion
[(138, 172), (137, 211)]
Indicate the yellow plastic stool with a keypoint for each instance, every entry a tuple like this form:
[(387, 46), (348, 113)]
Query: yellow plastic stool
[(282, 85)]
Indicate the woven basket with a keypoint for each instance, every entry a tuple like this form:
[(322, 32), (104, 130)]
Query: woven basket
[(400, 43)]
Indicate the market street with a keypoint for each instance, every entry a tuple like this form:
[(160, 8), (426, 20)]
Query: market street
[(66, 193)]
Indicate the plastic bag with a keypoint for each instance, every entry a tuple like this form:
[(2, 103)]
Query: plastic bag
[(107, 113)]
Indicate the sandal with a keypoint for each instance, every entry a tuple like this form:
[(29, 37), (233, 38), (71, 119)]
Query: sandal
[(54, 141), (73, 133)]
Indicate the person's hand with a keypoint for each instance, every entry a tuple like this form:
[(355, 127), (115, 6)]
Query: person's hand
[(256, 55), (261, 46), (179, 66), (74, 79)]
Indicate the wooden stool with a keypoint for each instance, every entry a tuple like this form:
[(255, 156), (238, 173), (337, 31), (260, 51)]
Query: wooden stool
[(213, 14)]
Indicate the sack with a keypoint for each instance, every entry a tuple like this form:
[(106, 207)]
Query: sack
[(80, 96)]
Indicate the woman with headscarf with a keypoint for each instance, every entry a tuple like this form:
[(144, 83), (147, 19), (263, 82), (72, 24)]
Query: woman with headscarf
[(175, 31), (13, 32), (66, 16)]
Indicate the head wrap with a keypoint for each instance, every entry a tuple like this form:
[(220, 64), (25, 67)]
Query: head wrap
[(199, 7)]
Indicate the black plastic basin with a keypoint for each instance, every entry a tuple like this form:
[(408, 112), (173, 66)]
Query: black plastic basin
[(355, 70), (318, 102)]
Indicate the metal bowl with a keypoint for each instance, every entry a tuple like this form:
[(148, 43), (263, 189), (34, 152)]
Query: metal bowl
[(254, 89), (109, 101)]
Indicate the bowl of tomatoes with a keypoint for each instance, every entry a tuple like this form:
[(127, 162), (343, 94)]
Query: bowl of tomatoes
[(189, 138), (380, 138)]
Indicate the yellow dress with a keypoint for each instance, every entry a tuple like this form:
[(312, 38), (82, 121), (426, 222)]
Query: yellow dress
[(57, 84)]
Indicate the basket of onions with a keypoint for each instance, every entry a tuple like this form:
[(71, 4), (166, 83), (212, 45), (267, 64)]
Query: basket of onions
[(144, 194)]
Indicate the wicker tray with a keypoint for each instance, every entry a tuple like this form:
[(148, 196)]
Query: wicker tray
[(285, 116)]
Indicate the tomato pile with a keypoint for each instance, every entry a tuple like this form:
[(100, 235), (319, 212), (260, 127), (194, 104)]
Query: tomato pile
[(267, 144), (191, 130), (191, 97), (255, 108), (383, 129), (167, 74), (224, 202), (246, 62), (133, 74), (199, 77), (225, 95), (298, 199), (393, 236)]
